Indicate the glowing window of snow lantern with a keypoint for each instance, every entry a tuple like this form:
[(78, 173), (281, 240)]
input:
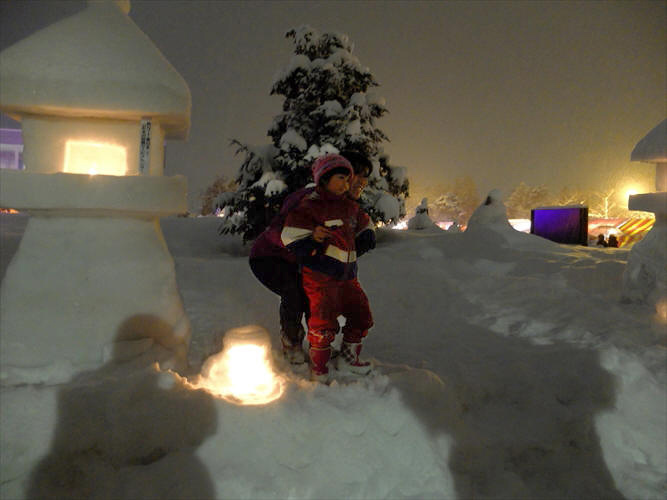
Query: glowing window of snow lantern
[(242, 372), (94, 158)]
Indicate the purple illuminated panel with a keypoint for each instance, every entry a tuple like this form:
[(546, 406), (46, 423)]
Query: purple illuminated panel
[(561, 224), (11, 149), (10, 136)]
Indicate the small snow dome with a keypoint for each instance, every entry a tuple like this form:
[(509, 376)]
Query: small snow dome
[(653, 149), (94, 86)]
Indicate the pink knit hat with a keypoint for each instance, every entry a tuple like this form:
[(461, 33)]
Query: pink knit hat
[(327, 163)]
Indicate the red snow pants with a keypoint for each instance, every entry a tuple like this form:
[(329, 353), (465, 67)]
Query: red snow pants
[(329, 298)]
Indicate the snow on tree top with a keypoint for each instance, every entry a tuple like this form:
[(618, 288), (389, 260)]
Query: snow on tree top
[(331, 108), (335, 60), (307, 38), (264, 179), (274, 187), (343, 57), (293, 138), (315, 151), (373, 99), (399, 174), (354, 128), (358, 99)]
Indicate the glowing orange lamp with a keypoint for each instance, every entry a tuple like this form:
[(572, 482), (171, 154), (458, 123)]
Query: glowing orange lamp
[(242, 372), (93, 158)]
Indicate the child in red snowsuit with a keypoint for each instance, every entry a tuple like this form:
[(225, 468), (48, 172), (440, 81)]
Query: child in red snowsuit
[(322, 230)]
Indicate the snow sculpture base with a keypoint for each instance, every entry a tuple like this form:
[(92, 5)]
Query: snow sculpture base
[(645, 276), (87, 282)]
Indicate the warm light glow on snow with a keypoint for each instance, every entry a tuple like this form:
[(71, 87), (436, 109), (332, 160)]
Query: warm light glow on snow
[(522, 225), (93, 158), (242, 372), (661, 310), (444, 225), (629, 191)]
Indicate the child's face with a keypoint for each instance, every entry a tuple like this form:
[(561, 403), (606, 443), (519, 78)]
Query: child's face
[(357, 185), (338, 184)]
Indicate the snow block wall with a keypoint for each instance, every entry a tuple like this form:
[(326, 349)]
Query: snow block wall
[(78, 286), (645, 276)]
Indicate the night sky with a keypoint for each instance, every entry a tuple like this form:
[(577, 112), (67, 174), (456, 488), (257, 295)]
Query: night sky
[(554, 93)]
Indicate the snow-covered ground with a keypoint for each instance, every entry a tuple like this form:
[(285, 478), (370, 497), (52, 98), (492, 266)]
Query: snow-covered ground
[(507, 368)]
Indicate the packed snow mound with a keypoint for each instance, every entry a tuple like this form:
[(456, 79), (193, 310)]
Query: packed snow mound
[(645, 276), (113, 431), (382, 448), (511, 388), (492, 213), (203, 240), (489, 224), (421, 221), (66, 304), (147, 422)]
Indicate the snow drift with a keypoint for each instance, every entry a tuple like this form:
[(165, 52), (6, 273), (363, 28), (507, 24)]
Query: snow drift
[(507, 367)]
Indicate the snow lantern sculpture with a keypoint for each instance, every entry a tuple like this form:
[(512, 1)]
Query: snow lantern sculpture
[(645, 275), (242, 372), (653, 149), (421, 220), (96, 100)]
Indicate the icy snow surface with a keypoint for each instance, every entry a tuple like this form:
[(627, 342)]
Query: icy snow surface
[(507, 367)]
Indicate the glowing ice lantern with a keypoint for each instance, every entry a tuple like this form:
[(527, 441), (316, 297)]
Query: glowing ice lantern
[(94, 158), (242, 372)]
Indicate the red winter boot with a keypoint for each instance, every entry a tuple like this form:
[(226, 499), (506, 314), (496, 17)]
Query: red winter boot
[(349, 361), (319, 357)]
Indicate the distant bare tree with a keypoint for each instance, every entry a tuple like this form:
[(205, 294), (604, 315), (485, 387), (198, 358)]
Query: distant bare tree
[(603, 205), (419, 191), (448, 206), (456, 201), (569, 196), (524, 198)]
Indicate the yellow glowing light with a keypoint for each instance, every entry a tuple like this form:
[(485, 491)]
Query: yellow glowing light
[(628, 191), (94, 158), (661, 310), (242, 374)]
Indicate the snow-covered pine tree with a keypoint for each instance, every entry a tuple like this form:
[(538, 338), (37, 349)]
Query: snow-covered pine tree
[(327, 109)]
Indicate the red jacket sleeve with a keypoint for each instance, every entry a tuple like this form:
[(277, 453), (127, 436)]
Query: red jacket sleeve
[(297, 233)]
